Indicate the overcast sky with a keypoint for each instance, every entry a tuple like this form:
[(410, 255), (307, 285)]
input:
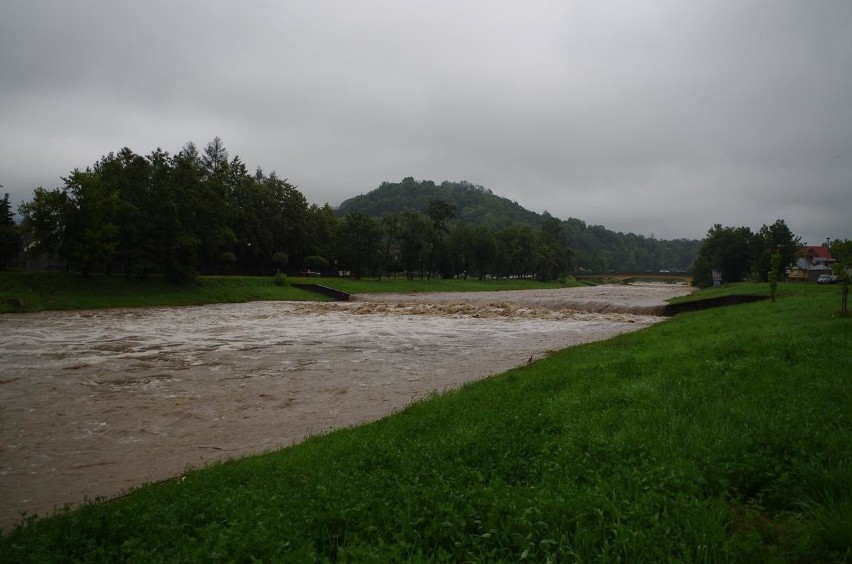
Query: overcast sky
[(654, 117)]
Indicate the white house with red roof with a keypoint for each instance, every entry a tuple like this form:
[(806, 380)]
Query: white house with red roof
[(812, 261)]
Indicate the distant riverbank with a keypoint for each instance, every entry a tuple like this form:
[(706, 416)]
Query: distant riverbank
[(57, 291)]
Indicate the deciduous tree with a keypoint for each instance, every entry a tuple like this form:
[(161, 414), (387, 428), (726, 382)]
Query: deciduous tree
[(44, 219), (439, 213), (413, 241), (391, 228), (358, 240), (727, 249), (484, 250), (320, 228), (771, 239), (553, 256)]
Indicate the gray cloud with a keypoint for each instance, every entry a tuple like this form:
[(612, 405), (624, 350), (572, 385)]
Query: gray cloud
[(657, 117)]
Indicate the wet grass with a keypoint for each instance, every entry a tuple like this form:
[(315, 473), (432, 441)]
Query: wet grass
[(720, 435), (42, 291)]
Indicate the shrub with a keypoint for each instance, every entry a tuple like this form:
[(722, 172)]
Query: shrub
[(281, 259), (316, 262)]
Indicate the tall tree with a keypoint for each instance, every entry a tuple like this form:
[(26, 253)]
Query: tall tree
[(93, 235), (44, 219), (517, 250), (129, 175), (320, 228), (484, 250), (413, 241), (10, 237), (185, 222), (6, 215), (391, 228), (439, 213), (77, 222), (252, 217), (554, 255), (460, 250), (769, 240), (727, 249), (172, 245), (214, 160), (213, 205), (292, 230), (358, 240)]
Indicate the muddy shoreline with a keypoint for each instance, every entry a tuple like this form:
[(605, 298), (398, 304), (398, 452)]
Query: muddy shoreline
[(97, 402)]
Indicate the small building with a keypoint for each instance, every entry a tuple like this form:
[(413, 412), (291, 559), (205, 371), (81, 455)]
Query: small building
[(812, 261)]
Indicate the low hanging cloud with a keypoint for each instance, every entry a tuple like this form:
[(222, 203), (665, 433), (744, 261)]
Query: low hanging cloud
[(658, 117)]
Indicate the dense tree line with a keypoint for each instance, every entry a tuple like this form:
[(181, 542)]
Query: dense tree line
[(204, 212), (739, 254), (425, 244), (176, 215)]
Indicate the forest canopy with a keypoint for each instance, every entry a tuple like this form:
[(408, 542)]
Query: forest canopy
[(175, 215), (203, 211)]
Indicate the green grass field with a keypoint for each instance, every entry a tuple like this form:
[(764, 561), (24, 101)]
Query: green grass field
[(720, 435), (59, 291)]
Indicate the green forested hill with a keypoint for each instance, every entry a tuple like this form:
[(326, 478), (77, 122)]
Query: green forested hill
[(594, 247), (474, 205)]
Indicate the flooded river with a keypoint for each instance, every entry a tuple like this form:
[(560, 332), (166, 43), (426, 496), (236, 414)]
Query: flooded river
[(95, 402)]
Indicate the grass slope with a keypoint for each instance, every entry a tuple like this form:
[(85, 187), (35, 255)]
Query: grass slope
[(720, 435), (59, 291)]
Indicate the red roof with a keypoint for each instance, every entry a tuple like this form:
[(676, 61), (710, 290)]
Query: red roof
[(820, 251)]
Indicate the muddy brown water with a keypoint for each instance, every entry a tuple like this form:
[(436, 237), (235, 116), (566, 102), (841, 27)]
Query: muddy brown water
[(93, 403)]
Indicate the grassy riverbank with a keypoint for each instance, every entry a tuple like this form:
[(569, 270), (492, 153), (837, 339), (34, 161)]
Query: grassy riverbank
[(720, 435), (42, 291)]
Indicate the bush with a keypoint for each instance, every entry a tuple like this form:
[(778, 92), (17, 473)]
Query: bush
[(279, 279), (281, 259), (316, 262)]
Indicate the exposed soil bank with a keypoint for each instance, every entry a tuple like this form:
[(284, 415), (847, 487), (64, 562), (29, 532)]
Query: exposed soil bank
[(674, 309), (96, 402)]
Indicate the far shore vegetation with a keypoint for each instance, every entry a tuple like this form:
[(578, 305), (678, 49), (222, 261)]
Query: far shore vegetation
[(717, 435), (32, 291)]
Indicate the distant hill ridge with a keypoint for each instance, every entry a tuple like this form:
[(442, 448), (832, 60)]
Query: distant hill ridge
[(595, 247), (474, 204)]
